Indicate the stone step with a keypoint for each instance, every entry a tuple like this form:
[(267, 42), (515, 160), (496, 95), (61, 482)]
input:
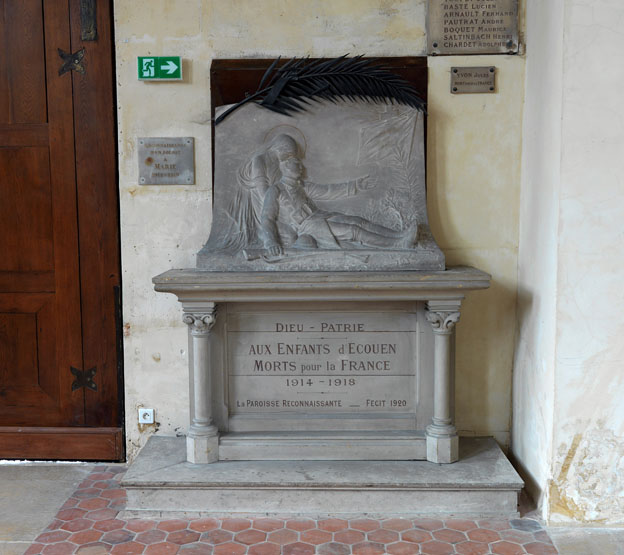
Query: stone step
[(393, 445), (161, 483)]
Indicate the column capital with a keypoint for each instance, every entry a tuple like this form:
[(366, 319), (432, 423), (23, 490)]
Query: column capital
[(201, 321), (442, 321)]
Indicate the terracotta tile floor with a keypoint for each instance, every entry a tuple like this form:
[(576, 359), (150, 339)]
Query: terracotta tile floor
[(87, 524)]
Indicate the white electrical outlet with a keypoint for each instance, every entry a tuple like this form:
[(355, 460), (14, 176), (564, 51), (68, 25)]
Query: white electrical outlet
[(146, 416)]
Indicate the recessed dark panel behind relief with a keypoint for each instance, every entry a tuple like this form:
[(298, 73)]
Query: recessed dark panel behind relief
[(232, 79)]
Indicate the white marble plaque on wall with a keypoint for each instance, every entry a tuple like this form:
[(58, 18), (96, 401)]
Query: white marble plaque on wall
[(166, 160), (456, 27), (360, 362)]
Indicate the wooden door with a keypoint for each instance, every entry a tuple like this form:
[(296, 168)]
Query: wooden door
[(59, 252)]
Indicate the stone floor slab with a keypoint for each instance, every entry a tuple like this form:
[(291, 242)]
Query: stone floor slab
[(31, 495), (585, 541)]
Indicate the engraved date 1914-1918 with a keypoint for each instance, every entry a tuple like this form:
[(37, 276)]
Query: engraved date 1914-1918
[(331, 382)]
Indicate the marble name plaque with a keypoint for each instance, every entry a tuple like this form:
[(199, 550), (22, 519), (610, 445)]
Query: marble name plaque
[(470, 80), (323, 362), (166, 160), (472, 27)]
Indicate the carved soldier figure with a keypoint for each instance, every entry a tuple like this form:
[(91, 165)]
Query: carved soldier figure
[(291, 218), (263, 170)]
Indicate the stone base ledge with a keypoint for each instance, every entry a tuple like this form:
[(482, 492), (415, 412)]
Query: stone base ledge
[(161, 483)]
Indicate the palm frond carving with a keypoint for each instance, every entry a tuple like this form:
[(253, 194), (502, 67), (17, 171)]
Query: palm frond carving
[(290, 88)]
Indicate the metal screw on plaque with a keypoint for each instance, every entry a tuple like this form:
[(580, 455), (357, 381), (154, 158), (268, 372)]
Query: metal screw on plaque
[(455, 70), (491, 88), (142, 180), (491, 70), (454, 89), (435, 44)]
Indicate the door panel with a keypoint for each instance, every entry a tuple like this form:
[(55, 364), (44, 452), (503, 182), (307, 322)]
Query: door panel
[(26, 210), (22, 85), (39, 233), (30, 388), (18, 343), (58, 236), (94, 115)]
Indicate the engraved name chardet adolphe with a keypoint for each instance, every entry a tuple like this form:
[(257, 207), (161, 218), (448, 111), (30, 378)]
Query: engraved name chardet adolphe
[(340, 186)]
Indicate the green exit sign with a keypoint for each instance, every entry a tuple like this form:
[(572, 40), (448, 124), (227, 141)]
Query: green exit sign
[(160, 68)]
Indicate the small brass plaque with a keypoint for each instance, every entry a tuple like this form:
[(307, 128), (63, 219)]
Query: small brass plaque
[(166, 160), (473, 80), (472, 27)]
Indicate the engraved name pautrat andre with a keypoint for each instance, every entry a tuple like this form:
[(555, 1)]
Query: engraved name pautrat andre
[(340, 186)]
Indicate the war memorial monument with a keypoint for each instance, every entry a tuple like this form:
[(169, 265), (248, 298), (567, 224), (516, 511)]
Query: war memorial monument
[(321, 321)]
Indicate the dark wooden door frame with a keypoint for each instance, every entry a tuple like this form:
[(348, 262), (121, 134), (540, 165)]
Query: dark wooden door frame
[(93, 419)]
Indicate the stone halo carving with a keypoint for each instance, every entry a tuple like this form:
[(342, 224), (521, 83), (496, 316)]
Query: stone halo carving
[(290, 130)]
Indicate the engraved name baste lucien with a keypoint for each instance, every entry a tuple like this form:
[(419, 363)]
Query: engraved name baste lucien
[(338, 187)]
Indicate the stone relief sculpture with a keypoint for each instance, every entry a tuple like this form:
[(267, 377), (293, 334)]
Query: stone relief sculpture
[(339, 187), (290, 217)]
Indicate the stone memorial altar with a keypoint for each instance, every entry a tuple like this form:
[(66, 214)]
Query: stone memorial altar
[(333, 334), (321, 321)]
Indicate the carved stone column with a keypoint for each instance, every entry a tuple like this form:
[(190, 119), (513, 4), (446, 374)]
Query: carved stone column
[(202, 441), (442, 440)]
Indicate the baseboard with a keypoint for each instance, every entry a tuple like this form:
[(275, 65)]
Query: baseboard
[(79, 444)]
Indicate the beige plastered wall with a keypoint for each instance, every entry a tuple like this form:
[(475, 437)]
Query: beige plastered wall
[(534, 368), (569, 384), (474, 154), (587, 481)]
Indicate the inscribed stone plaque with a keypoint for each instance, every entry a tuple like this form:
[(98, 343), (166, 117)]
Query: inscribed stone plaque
[(322, 363), (166, 160), (472, 27), (473, 80)]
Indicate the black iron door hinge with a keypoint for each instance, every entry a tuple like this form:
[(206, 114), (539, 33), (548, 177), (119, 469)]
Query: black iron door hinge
[(88, 20), (71, 62), (83, 378)]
